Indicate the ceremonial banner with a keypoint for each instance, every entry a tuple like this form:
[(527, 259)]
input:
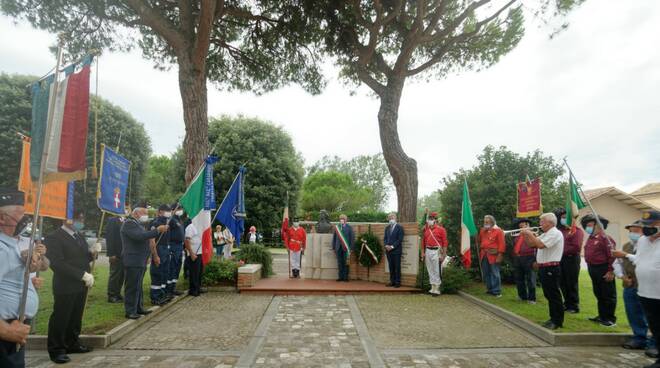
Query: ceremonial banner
[(232, 209), (113, 182), (198, 201), (67, 143), (468, 228), (529, 198), (54, 195)]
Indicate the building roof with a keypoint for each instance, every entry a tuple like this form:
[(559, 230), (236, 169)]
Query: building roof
[(620, 196), (651, 188)]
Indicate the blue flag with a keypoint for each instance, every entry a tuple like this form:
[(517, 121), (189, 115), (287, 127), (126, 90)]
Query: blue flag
[(232, 210), (113, 182)]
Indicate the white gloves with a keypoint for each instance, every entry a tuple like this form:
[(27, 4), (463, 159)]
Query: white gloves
[(88, 279), (96, 248)]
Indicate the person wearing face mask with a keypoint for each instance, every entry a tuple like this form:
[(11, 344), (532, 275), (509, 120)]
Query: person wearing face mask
[(434, 250), (177, 238), (624, 269), (297, 243), (524, 258), (600, 263), (136, 240), (570, 262), (160, 258), (393, 239), (647, 273), (12, 270), (342, 243), (492, 248), (113, 251), (70, 258)]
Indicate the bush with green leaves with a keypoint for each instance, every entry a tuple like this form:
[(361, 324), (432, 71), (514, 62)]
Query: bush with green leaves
[(454, 278), (364, 257), (256, 253), (220, 271)]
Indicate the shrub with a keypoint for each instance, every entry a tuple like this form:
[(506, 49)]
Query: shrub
[(454, 278), (373, 243), (256, 253), (219, 271)]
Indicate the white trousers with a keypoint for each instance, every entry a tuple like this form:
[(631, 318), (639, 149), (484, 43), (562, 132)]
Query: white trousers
[(226, 251), (432, 262), (295, 260)]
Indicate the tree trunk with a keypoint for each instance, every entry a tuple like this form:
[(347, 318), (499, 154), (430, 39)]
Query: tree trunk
[(192, 85), (402, 168)]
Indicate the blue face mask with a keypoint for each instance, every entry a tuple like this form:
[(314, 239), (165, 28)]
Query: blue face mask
[(589, 230), (634, 237), (563, 221), (77, 225)]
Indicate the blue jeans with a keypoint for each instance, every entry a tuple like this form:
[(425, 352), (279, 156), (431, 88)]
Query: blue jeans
[(491, 273), (636, 317), (219, 249)]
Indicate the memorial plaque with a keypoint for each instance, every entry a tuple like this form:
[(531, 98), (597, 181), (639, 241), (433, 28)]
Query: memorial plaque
[(409, 256), (319, 261)]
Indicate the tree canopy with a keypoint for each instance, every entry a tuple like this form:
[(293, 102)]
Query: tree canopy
[(334, 192), (165, 187), (368, 171)]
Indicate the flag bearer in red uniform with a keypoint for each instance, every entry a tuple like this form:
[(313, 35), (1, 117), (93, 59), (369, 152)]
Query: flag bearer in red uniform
[(492, 248), (434, 250), (297, 242)]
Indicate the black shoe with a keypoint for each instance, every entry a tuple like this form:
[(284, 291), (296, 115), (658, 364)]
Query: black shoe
[(595, 319), (80, 349), (389, 284), (608, 323), (652, 352), (572, 311), (397, 286), (551, 325), (177, 293), (114, 300), (144, 312), (60, 359), (133, 316), (633, 344)]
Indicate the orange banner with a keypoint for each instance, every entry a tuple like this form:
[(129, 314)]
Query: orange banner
[(53, 197), (529, 198)]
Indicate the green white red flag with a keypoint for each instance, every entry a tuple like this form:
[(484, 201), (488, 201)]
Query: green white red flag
[(468, 228), (574, 203)]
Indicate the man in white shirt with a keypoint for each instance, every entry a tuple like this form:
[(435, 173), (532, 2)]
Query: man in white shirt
[(550, 247), (647, 270), (193, 244)]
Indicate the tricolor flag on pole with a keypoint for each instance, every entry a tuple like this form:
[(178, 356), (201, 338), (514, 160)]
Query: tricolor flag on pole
[(468, 228), (198, 201), (574, 203), (67, 142), (285, 223)]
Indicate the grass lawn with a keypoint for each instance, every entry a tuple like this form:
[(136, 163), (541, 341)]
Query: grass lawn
[(277, 250), (539, 313), (100, 316)]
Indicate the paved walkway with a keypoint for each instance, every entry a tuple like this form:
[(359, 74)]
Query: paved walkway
[(224, 330)]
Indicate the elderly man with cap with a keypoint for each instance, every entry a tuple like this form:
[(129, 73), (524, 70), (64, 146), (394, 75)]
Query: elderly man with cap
[(12, 271), (524, 258), (647, 271), (624, 269), (550, 246), (70, 258), (492, 248), (136, 240), (600, 262), (160, 258), (570, 262), (296, 245), (434, 251)]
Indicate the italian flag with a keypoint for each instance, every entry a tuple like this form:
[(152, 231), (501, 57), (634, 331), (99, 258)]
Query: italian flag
[(468, 228), (285, 226), (198, 201), (573, 203)]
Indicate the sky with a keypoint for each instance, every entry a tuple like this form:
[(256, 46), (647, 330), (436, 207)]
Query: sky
[(591, 94)]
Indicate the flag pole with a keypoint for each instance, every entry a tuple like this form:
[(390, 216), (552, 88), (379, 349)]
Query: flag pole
[(591, 207), (37, 207)]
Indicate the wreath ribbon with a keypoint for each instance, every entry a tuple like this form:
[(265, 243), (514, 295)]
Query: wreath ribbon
[(371, 252)]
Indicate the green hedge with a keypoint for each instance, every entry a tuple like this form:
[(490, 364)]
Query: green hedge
[(256, 253), (219, 272), (454, 278)]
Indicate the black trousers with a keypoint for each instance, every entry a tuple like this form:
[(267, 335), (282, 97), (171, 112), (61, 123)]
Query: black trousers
[(550, 277), (394, 262), (195, 281), (525, 277), (65, 322), (605, 292), (116, 279), (570, 273), (341, 264), (652, 312), (133, 289)]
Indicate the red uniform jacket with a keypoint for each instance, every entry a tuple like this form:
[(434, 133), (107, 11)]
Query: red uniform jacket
[(297, 239), (492, 238), (573, 242), (597, 251), (435, 236)]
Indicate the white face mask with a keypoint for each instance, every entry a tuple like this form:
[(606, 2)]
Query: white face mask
[(430, 222), (167, 214), (392, 221), (487, 226), (179, 213), (295, 224), (143, 218)]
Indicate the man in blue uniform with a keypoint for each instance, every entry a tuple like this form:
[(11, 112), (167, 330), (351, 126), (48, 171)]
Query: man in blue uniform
[(177, 237), (160, 260), (135, 239), (393, 240), (12, 269)]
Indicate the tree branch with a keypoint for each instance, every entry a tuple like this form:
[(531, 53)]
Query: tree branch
[(204, 28), (153, 19), (187, 25)]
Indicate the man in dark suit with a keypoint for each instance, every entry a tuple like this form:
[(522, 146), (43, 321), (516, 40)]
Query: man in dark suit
[(113, 250), (393, 241), (342, 242), (70, 258), (136, 241)]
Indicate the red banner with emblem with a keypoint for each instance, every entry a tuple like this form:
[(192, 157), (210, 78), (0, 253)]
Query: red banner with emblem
[(529, 198)]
